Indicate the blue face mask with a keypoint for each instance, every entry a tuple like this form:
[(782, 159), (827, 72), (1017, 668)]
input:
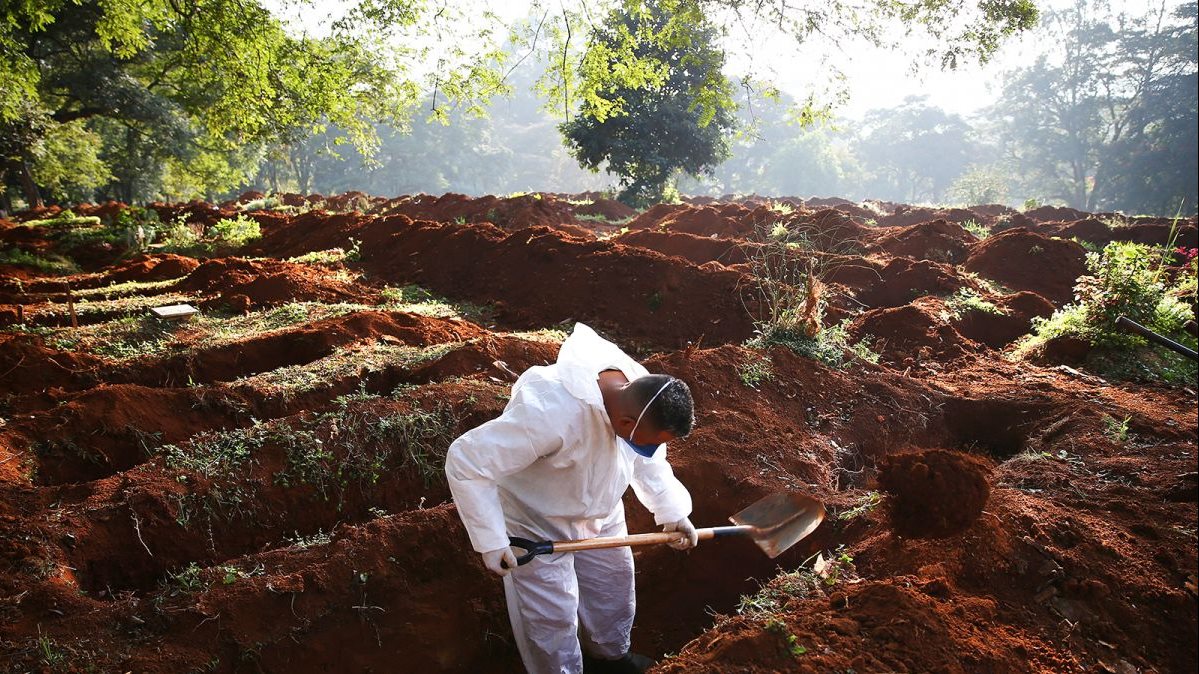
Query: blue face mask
[(645, 450)]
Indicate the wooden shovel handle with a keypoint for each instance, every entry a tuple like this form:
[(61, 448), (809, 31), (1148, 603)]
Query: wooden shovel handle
[(535, 548)]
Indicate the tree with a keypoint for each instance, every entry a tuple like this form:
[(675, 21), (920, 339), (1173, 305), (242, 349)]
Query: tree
[(916, 150), (193, 83), (1107, 119), (673, 114)]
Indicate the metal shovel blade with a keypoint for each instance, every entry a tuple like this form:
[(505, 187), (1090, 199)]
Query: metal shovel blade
[(781, 520)]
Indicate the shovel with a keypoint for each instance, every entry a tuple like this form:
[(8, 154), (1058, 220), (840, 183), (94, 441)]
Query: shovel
[(775, 523)]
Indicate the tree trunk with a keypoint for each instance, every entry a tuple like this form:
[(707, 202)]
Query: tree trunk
[(33, 198)]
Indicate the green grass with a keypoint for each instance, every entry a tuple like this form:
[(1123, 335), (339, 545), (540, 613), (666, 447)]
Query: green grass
[(831, 346), (51, 264), (416, 300), (967, 300), (331, 256), (64, 219), (357, 360), (116, 290)]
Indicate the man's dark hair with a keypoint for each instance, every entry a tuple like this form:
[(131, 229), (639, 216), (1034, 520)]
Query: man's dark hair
[(673, 410)]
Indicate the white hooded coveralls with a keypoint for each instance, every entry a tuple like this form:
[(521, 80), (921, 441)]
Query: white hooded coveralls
[(552, 468)]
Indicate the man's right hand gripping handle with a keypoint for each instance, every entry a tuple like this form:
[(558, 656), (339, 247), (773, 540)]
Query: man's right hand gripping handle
[(500, 562)]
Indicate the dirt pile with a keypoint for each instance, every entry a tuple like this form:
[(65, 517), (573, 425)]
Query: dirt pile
[(938, 240), (510, 213), (1023, 260), (934, 493), (246, 284), (912, 334), (608, 209), (697, 249), (156, 267)]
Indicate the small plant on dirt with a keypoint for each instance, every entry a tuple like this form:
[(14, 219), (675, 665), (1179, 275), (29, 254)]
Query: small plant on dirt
[(305, 542), (788, 298), (1115, 221), (832, 346), (966, 300), (187, 580), (223, 458), (330, 256), (1032, 204), (52, 656), (837, 567), (979, 230), (755, 370), (791, 641), (236, 232), (869, 501), (1115, 429)]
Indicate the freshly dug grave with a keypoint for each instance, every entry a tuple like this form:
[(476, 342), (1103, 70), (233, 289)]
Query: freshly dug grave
[(934, 493)]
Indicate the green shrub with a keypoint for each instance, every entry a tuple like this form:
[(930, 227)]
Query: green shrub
[(237, 231), (1125, 279)]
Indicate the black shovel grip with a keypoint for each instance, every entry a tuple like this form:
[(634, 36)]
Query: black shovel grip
[(531, 548)]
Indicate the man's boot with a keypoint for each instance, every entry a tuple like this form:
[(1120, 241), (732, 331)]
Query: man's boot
[(629, 663)]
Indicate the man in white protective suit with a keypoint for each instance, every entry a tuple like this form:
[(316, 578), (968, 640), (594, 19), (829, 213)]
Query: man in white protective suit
[(553, 466)]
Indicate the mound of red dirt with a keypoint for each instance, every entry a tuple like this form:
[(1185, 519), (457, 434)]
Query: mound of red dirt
[(938, 240), (510, 213), (609, 209), (896, 283), (992, 211), (911, 333), (934, 493), (540, 277), (911, 215), (267, 283), (196, 212), (1024, 260), (156, 267), (29, 366), (701, 220), (1054, 214), (1013, 320), (697, 249)]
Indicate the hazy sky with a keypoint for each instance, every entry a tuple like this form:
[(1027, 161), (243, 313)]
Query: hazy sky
[(875, 77)]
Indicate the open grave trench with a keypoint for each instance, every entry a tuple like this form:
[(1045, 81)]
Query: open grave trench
[(274, 500)]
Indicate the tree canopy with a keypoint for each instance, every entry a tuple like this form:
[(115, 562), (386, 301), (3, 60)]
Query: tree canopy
[(674, 114)]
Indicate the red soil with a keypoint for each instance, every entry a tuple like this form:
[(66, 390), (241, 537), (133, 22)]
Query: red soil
[(265, 283), (935, 493), (1023, 260), (1063, 549), (911, 333), (938, 240)]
